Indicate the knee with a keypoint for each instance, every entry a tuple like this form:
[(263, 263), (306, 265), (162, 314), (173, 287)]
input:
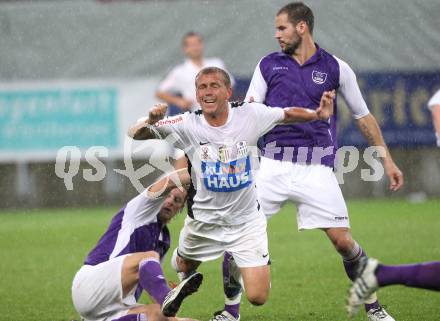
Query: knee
[(343, 243), (257, 298), (180, 264), (144, 256), (151, 254)]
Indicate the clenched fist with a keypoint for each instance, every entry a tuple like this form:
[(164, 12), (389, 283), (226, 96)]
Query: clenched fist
[(157, 113)]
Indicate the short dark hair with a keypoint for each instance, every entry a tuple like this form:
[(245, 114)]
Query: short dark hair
[(190, 34), (215, 70), (298, 11)]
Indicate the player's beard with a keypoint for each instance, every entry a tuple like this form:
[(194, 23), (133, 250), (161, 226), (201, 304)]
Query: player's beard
[(291, 48)]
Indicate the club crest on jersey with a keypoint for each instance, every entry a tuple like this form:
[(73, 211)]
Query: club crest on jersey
[(224, 153), (242, 149), (204, 152), (319, 77)]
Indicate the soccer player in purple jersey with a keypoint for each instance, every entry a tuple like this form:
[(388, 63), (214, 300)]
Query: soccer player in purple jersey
[(128, 258), (372, 275), (298, 159)]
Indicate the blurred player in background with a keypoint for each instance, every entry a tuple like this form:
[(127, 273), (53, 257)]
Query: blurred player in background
[(128, 258), (298, 159), (177, 89), (372, 275), (225, 214), (434, 106)]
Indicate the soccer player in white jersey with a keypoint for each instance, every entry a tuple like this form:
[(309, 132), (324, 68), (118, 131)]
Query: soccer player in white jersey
[(218, 140), (298, 159), (127, 260), (434, 106), (178, 86)]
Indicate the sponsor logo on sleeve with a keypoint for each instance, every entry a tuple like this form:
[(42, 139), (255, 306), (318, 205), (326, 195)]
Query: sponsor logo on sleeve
[(169, 121)]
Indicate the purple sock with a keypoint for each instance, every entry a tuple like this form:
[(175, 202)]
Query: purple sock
[(132, 317), (423, 275), (351, 265), (233, 309), (225, 268), (152, 280)]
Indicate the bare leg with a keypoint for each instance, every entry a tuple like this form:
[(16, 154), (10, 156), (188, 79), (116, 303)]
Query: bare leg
[(256, 283), (130, 269), (351, 252)]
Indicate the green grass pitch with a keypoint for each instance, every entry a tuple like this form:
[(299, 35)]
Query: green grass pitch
[(41, 250)]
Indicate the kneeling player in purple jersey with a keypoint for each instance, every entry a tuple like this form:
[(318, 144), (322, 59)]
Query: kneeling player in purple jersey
[(220, 142), (298, 159), (128, 257), (372, 275)]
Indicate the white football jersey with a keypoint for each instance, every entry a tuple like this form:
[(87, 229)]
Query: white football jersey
[(222, 159), (435, 100)]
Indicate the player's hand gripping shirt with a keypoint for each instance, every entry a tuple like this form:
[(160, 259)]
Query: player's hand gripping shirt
[(222, 159)]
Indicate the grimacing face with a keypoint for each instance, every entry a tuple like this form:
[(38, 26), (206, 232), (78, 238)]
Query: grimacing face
[(286, 34), (172, 204), (212, 93)]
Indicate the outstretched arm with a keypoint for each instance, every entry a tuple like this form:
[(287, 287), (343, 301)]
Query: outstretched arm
[(366, 122), (143, 129), (324, 111), (180, 178), (371, 131)]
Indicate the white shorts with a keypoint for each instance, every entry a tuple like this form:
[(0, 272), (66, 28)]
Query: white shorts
[(97, 291), (313, 188), (247, 242)]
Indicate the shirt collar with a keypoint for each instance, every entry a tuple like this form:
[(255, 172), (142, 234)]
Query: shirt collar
[(227, 121), (316, 56)]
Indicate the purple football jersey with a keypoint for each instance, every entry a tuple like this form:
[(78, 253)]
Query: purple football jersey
[(280, 81), (135, 228)]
